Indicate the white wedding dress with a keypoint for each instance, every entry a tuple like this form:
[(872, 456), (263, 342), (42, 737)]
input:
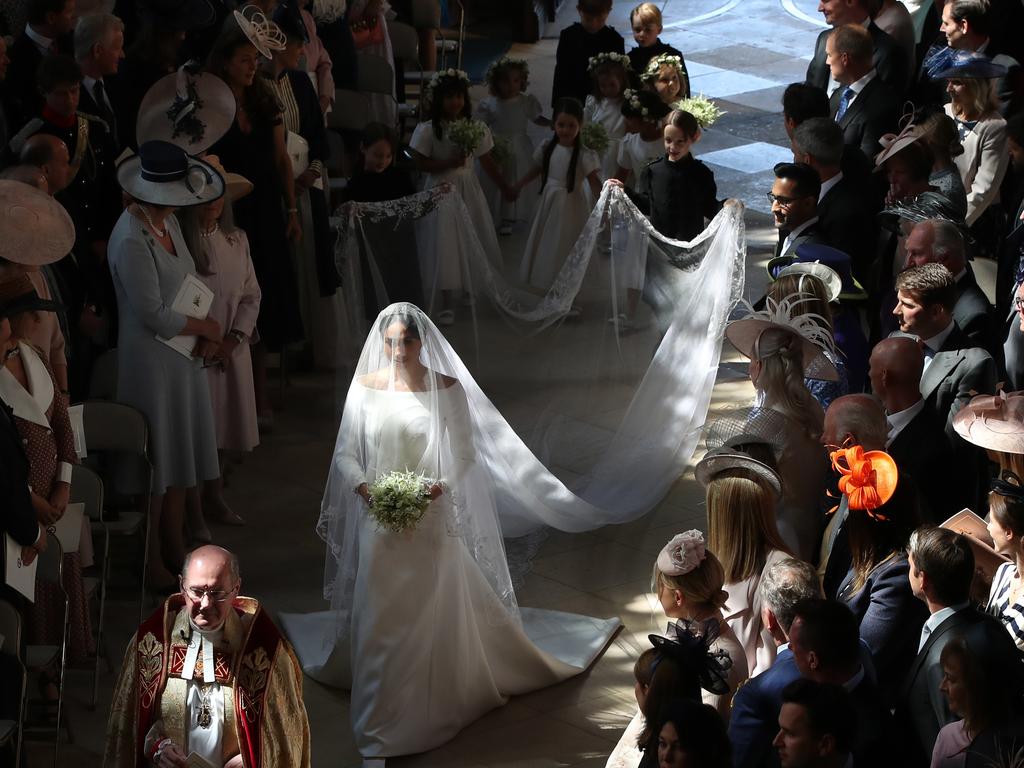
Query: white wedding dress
[(431, 645)]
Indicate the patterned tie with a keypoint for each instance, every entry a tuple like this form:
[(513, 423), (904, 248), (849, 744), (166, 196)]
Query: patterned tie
[(844, 102)]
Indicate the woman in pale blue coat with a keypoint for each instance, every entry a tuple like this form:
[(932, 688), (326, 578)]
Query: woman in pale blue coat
[(149, 262)]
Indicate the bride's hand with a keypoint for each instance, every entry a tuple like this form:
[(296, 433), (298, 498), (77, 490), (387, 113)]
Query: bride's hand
[(364, 491), (435, 490)]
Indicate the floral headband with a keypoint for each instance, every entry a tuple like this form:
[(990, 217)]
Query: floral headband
[(662, 60), (609, 58), (507, 62), (447, 74), (867, 478), (264, 34), (632, 97), (683, 553)]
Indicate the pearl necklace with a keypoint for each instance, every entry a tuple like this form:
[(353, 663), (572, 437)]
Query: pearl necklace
[(212, 230), (157, 231)]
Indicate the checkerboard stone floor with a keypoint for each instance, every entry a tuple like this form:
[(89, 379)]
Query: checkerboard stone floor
[(740, 53)]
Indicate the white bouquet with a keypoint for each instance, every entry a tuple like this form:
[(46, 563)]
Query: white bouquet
[(467, 134), (593, 136), (702, 108), (398, 500)]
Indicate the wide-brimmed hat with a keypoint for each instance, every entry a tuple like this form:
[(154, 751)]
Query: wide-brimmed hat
[(994, 422), (836, 260), (719, 460), (34, 228), (190, 109), (759, 335), (178, 14), (288, 17), (263, 33), (17, 295), (829, 277), (165, 174), (970, 65), (236, 186)]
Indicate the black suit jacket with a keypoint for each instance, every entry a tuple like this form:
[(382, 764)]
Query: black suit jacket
[(922, 709), (973, 313), (874, 725), (812, 234), (23, 98), (923, 450), (872, 114), (87, 104), (847, 223), (889, 60)]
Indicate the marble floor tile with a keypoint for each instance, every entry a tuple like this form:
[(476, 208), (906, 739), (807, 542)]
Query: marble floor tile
[(750, 158)]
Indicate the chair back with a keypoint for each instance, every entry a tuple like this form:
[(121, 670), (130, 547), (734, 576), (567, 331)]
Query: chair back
[(51, 561), (10, 630), (349, 112), (374, 74), (103, 379), (87, 489), (405, 44), (118, 438)]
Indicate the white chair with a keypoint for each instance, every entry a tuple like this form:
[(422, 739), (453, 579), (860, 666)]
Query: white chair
[(10, 630), (87, 489)]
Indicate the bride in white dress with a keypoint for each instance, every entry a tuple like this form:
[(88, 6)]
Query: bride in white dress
[(424, 626)]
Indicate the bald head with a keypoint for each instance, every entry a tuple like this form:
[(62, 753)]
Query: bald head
[(895, 368), (212, 558), (855, 420), (50, 155)]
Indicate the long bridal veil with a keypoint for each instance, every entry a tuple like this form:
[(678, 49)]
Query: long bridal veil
[(516, 482)]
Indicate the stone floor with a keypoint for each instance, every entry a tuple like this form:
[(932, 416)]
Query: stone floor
[(740, 53)]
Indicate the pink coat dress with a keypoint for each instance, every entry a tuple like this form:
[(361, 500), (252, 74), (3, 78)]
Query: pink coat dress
[(236, 305)]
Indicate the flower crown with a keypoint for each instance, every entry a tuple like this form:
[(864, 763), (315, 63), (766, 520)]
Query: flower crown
[(683, 553), (662, 59), (632, 98), (508, 62), (608, 58), (447, 74)]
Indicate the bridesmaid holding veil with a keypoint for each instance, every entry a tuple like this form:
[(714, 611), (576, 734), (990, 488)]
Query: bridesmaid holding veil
[(424, 627)]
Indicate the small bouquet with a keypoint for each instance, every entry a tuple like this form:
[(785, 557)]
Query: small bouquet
[(502, 151), (398, 500), (702, 108), (467, 134), (594, 137)]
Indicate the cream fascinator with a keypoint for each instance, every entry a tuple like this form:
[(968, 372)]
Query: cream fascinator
[(762, 334), (261, 31), (995, 422), (684, 552)]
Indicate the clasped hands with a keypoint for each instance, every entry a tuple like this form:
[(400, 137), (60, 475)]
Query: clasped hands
[(171, 756), (212, 347)]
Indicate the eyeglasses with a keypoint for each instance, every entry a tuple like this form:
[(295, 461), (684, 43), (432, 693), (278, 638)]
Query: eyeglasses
[(784, 202), (1018, 302), (215, 595)]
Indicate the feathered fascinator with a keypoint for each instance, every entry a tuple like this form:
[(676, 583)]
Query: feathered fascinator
[(264, 34), (867, 478), (683, 553), (688, 643), (762, 334)]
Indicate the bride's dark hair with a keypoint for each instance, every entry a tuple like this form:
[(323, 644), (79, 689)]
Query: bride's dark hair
[(405, 318)]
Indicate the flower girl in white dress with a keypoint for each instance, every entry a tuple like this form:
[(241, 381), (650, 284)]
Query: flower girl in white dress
[(563, 164), (445, 161), (644, 113), (610, 75), (508, 111)]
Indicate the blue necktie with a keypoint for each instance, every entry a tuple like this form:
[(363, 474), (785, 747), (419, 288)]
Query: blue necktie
[(844, 102)]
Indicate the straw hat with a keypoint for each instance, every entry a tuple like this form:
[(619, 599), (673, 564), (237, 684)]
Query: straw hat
[(190, 109), (761, 334), (994, 422), (34, 228), (719, 460), (829, 277), (164, 174), (236, 186), (17, 295)]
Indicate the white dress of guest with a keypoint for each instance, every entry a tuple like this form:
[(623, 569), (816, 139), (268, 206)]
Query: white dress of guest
[(951, 746), (561, 216), (742, 613), (169, 388), (984, 160), (426, 142), (236, 305), (510, 119), (607, 112), (381, 107), (635, 153)]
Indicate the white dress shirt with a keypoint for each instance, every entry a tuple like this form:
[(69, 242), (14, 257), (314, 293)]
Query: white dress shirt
[(932, 623), (796, 233), (934, 344), (43, 43), (827, 185), (899, 420), (89, 83), (859, 85)]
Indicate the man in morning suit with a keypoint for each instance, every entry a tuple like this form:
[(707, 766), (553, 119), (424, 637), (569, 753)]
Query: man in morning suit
[(755, 708), (916, 437), (863, 106), (99, 48), (941, 570), (889, 59), (794, 199), (49, 24)]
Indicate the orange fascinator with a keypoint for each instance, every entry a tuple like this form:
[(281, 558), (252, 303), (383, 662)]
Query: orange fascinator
[(867, 478)]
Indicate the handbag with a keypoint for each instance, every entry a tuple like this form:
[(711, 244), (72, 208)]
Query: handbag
[(367, 32)]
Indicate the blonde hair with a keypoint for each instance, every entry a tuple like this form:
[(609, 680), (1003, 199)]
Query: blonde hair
[(702, 587), (781, 379), (646, 13), (980, 98), (741, 523), (813, 296)]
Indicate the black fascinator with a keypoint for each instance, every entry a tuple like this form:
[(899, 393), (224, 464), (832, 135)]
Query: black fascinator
[(688, 643)]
